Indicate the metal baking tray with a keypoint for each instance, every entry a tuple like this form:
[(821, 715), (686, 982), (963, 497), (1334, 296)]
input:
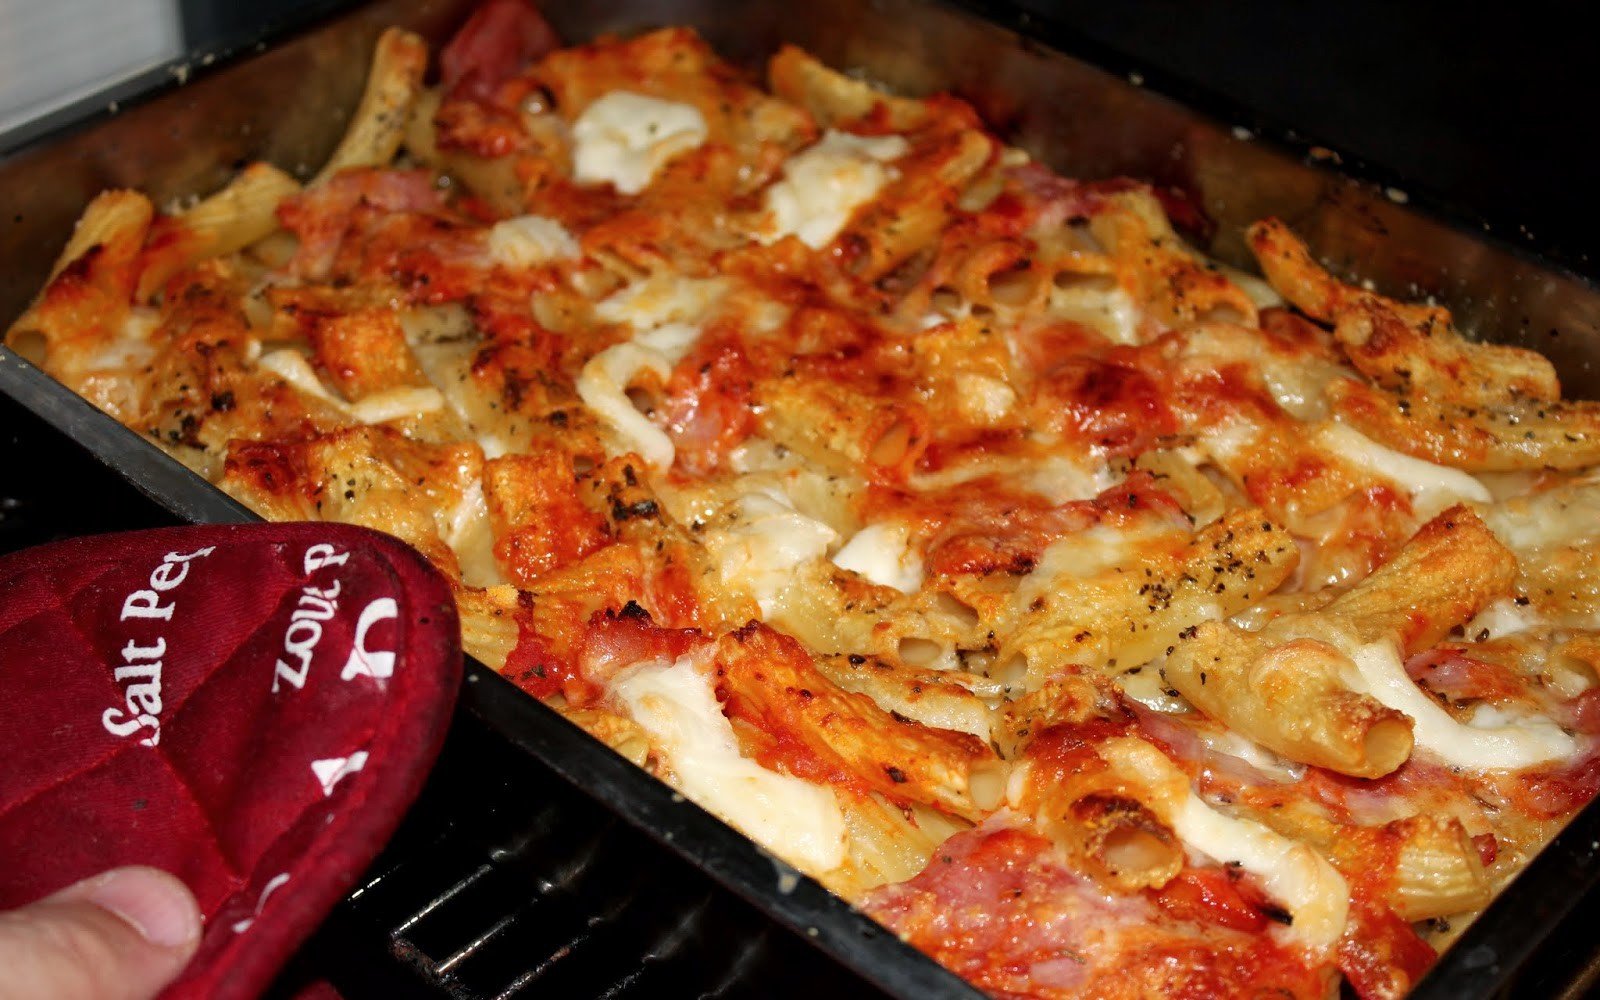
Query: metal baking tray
[(184, 128)]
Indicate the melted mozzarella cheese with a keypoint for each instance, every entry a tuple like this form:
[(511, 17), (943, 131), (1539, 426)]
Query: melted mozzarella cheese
[(759, 454), (132, 348), (380, 407), (397, 404), (292, 366), (824, 185), (603, 387), (1255, 288), (1226, 741), (1111, 311), (468, 532), (762, 543), (1432, 487), (672, 341), (1149, 689), (1299, 385), (1093, 551), (1487, 742), (1058, 478), (1228, 441), (1122, 318), (798, 821), (530, 240), (983, 398), (664, 312), (883, 554), (1560, 516), (1291, 873), (662, 300), (1504, 617), (624, 138), (1061, 479)]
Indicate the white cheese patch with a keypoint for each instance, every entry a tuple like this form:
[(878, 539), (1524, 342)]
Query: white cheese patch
[(762, 316), (883, 554), (662, 300), (132, 347), (1148, 689), (983, 398), (759, 548), (672, 341), (107, 373), (1058, 478), (759, 454), (292, 366), (665, 313), (466, 529), (1122, 317), (1111, 310), (823, 185), (1225, 443), (530, 240), (1226, 741), (1299, 385), (1017, 783), (493, 445), (1096, 550), (1261, 294), (603, 387), (1061, 479), (798, 821), (1432, 487), (1503, 617), (380, 407), (1291, 873), (397, 404), (1560, 516), (1498, 742), (624, 138)]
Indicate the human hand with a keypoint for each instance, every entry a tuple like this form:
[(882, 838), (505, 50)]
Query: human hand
[(120, 935)]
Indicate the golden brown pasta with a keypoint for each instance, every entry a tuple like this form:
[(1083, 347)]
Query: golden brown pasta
[(378, 126), (1070, 602)]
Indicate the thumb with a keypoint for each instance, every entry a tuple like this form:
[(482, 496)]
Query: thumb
[(121, 935)]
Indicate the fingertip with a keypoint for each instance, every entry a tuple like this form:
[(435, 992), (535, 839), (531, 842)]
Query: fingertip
[(157, 905), (124, 934)]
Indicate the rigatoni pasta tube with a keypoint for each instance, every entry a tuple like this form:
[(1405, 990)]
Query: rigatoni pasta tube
[(1437, 871), (1290, 697), (1095, 814), (1153, 265), (840, 427), (1288, 688), (1440, 578), (1130, 612), (1526, 435), (934, 698), (834, 98), (241, 213), (789, 715), (379, 125), (85, 306)]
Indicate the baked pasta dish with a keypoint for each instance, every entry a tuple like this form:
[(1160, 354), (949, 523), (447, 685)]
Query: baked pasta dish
[(1105, 621)]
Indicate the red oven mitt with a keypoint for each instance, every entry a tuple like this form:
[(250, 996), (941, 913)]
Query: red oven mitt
[(250, 707)]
